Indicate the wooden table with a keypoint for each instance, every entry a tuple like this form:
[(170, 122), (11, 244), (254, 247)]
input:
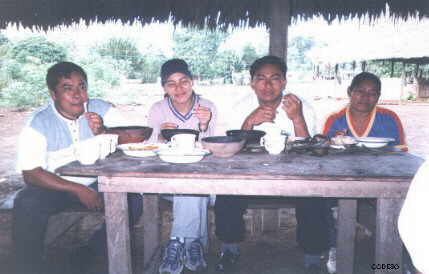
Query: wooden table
[(383, 176)]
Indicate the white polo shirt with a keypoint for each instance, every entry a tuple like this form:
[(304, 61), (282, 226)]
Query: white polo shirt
[(281, 121)]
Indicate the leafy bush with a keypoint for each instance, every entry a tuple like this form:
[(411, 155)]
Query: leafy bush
[(27, 91), (123, 50), (38, 49)]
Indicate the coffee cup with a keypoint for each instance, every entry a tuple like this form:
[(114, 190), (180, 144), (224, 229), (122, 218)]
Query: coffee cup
[(274, 143), (88, 151), (107, 143), (183, 142)]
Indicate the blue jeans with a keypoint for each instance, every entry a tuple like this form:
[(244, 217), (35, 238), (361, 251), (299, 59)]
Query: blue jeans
[(32, 208)]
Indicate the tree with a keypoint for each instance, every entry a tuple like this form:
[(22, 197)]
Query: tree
[(297, 53), (249, 56), (153, 59), (200, 49), (3, 39), (38, 50), (123, 50)]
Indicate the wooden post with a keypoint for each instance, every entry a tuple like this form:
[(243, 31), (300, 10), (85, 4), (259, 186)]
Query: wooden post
[(151, 233), (280, 17), (118, 240), (346, 235), (363, 64), (388, 245)]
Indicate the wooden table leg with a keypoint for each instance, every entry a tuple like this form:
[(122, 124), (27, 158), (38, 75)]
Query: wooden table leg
[(388, 245), (151, 233), (346, 235), (118, 233)]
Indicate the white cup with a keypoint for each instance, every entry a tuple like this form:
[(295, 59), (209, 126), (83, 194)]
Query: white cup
[(88, 151), (274, 143), (107, 143), (183, 142)]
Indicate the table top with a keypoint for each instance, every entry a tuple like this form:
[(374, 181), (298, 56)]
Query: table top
[(339, 166)]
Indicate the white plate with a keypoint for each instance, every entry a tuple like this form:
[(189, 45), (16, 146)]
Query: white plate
[(373, 142), (175, 156), (141, 149), (374, 139)]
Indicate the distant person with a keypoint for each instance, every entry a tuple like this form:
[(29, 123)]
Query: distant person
[(273, 108), (413, 225), (48, 141), (183, 108), (362, 118)]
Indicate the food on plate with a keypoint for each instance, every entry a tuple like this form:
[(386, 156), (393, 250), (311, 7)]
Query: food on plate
[(146, 147), (341, 140)]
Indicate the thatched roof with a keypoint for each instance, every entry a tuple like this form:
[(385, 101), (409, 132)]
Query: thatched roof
[(45, 14), (407, 43)]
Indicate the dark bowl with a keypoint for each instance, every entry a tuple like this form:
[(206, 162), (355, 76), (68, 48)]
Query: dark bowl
[(251, 136), (223, 146), (168, 133), (131, 134)]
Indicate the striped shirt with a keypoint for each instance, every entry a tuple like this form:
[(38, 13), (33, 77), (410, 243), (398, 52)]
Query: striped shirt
[(164, 112)]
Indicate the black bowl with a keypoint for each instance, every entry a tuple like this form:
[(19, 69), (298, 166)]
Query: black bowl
[(222, 139), (131, 134), (168, 133), (251, 136)]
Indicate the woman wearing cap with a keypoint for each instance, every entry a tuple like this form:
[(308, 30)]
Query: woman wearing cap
[(182, 108)]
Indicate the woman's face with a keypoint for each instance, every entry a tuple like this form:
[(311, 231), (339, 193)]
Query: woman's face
[(364, 96), (179, 87)]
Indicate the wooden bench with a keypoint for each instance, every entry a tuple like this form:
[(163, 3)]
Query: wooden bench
[(59, 224)]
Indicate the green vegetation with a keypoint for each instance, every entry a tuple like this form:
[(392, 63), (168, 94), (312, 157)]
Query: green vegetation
[(116, 66)]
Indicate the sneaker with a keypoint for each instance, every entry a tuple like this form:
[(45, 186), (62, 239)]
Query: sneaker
[(226, 261), (331, 264), (172, 260), (194, 258)]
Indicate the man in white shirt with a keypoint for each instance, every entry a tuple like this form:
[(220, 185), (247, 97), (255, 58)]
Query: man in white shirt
[(413, 225), (274, 110), (48, 141)]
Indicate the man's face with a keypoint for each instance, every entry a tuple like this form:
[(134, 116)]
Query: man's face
[(69, 95), (268, 84)]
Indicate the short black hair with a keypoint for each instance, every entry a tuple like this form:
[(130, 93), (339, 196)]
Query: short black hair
[(268, 60), (62, 70), (366, 76)]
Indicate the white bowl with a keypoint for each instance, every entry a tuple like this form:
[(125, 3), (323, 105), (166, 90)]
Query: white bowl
[(373, 142), (176, 156)]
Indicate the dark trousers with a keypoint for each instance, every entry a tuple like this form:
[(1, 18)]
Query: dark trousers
[(229, 222), (32, 208), (312, 227)]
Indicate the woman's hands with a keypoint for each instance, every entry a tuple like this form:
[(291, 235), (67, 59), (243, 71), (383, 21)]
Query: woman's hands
[(204, 115)]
